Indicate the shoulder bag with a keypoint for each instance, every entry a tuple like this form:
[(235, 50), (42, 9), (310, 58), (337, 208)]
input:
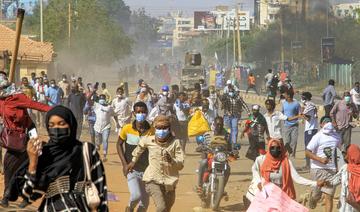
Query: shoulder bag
[(12, 139), (90, 190)]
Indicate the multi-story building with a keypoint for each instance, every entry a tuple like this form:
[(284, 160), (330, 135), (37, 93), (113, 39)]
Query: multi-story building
[(183, 26), (346, 10)]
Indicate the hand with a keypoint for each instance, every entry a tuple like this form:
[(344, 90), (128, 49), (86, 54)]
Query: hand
[(125, 170), (32, 149), (167, 157), (321, 183), (130, 166), (259, 186), (324, 160)]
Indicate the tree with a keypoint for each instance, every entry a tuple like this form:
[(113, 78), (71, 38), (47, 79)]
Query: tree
[(95, 36)]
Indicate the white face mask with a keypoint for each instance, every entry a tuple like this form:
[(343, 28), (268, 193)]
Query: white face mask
[(165, 93), (53, 85)]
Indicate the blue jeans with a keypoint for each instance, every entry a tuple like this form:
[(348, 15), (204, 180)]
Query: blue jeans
[(102, 138), (137, 191), (231, 122)]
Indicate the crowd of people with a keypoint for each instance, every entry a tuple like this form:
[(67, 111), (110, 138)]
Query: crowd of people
[(152, 136)]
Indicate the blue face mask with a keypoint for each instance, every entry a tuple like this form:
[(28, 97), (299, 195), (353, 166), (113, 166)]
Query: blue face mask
[(102, 101), (161, 133), (140, 117)]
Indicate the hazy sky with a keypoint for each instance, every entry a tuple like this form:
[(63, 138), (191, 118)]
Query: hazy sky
[(161, 7)]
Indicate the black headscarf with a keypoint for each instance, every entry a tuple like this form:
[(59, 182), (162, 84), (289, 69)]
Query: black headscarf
[(57, 159)]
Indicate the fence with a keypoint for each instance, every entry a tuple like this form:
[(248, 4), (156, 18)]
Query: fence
[(341, 73)]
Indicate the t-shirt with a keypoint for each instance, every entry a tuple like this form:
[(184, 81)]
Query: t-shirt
[(274, 123), (291, 109), (131, 136), (54, 96), (355, 96), (180, 109), (322, 143), (103, 117), (268, 78)]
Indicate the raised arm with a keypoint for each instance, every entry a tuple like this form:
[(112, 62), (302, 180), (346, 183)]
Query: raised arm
[(23, 101)]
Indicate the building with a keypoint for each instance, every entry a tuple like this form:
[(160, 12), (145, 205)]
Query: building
[(346, 10), (266, 11), (183, 25), (33, 56)]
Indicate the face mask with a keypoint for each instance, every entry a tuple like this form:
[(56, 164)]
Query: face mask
[(120, 96), (303, 101), (161, 134), (347, 99), (231, 94), (140, 117), (165, 93), (275, 152), (52, 85), (59, 135), (102, 101), (64, 80)]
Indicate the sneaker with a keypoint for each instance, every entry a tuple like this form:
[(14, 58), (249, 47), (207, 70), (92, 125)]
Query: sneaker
[(24, 203), (4, 203)]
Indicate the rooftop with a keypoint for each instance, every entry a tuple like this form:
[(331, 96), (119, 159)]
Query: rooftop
[(29, 50)]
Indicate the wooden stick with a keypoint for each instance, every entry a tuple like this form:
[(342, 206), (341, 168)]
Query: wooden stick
[(19, 21)]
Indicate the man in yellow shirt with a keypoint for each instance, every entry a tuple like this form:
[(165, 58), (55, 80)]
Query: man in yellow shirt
[(106, 92), (130, 135)]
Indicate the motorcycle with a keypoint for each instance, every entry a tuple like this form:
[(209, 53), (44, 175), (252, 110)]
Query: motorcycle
[(215, 178)]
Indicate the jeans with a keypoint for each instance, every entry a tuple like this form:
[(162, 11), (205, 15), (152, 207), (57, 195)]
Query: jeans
[(163, 199), (102, 138), (307, 138), (290, 138), (92, 131), (232, 123), (137, 191)]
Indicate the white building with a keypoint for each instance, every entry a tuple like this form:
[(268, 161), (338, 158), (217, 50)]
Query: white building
[(346, 10), (266, 11), (182, 28)]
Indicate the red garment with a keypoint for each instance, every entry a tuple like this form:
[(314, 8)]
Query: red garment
[(272, 164), (13, 109), (353, 154), (283, 76)]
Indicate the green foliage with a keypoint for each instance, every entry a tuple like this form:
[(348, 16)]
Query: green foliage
[(96, 36)]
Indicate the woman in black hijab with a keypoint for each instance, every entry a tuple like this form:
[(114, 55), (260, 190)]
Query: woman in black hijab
[(59, 171)]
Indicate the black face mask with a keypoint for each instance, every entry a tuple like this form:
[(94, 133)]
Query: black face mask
[(59, 135), (275, 152)]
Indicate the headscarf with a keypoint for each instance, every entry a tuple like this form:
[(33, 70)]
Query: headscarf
[(353, 153), (272, 164), (56, 160)]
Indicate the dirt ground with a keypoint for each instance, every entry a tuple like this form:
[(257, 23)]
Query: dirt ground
[(186, 198)]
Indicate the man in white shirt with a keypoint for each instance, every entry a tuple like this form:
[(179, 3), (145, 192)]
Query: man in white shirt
[(355, 94), (182, 111), (322, 151), (275, 119), (102, 126), (122, 109), (208, 114), (309, 114)]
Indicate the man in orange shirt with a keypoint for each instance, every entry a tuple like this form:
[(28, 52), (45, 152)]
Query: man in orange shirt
[(252, 83)]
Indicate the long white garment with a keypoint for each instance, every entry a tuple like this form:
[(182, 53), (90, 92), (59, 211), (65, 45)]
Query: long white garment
[(342, 177)]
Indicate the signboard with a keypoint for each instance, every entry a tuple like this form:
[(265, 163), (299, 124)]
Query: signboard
[(204, 20), (296, 44), (9, 7), (327, 49), (244, 20)]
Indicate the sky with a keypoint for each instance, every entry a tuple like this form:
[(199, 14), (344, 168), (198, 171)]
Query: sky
[(162, 7)]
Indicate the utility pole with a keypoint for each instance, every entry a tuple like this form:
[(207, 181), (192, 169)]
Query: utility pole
[(41, 22), (227, 42), (69, 24), (282, 41), (234, 42), (238, 34)]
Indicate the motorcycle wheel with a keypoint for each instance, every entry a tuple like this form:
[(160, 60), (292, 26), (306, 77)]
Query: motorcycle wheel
[(218, 194)]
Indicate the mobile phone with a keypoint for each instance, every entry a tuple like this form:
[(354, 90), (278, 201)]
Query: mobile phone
[(33, 133)]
